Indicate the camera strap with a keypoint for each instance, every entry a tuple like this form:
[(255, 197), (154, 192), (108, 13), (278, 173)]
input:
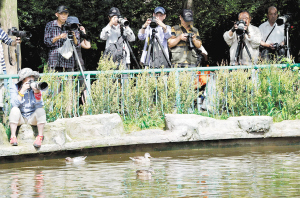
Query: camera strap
[(270, 32)]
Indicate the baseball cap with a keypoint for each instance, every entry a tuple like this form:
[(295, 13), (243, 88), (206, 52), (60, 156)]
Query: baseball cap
[(62, 9), (73, 19), (114, 12), (159, 9), (187, 15)]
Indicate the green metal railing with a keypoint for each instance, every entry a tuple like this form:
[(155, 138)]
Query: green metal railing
[(124, 98)]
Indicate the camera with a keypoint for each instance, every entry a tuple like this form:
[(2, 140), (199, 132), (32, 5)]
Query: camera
[(283, 19), (190, 40), (43, 86), (84, 36), (241, 27), (153, 23), (69, 27), (277, 46), (23, 34), (123, 21)]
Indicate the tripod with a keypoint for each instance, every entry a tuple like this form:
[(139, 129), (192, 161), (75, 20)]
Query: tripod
[(286, 39), (70, 36), (17, 51), (127, 43), (239, 50), (153, 45)]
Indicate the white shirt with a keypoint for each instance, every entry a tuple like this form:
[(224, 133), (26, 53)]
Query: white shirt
[(111, 35), (252, 43), (277, 35)]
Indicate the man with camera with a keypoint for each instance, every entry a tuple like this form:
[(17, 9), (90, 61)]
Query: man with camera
[(112, 33), (272, 36), (27, 105), (185, 42), (56, 34), (163, 33), (244, 40)]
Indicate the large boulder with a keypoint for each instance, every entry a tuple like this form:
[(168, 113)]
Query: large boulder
[(91, 127), (196, 127)]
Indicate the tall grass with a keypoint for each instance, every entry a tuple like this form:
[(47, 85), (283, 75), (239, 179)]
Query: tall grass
[(143, 99)]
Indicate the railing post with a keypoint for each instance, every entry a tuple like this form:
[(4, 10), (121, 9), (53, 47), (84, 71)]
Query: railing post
[(177, 91)]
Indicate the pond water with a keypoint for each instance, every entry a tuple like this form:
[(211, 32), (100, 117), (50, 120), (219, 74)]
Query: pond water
[(263, 171)]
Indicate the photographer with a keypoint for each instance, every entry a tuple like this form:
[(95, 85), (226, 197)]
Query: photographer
[(163, 33), (54, 38), (84, 39), (27, 106), (112, 32), (249, 34), (272, 36), (185, 42)]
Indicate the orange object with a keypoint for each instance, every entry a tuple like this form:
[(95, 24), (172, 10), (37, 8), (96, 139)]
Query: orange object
[(202, 77)]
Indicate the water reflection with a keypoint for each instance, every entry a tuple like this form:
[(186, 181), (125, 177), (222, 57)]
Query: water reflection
[(226, 172)]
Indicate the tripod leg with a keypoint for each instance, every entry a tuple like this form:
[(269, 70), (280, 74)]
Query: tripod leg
[(237, 53), (147, 60), (81, 70), (131, 52), (164, 53), (247, 51)]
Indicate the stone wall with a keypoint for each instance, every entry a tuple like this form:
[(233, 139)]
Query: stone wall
[(107, 130)]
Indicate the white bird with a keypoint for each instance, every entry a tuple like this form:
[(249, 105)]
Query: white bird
[(141, 159), (75, 159)]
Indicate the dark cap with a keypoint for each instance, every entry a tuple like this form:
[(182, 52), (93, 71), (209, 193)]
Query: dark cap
[(159, 9), (62, 9), (114, 12), (187, 15), (72, 20)]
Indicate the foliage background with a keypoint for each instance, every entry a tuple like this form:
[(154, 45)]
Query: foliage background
[(212, 18)]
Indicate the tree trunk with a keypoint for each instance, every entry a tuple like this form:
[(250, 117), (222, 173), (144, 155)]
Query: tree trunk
[(9, 19), (188, 4)]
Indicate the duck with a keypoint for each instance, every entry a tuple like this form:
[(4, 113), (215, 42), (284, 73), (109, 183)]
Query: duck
[(75, 159), (145, 172), (141, 159)]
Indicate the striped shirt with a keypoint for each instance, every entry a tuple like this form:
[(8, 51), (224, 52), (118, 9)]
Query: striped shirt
[(55, 59), (5, 39)]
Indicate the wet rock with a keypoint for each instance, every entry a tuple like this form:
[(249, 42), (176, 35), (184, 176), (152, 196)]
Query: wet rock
[(253, 124)]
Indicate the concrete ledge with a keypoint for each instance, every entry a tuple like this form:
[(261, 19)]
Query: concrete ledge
[(106, 130)]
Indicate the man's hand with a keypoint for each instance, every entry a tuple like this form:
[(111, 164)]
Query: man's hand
[(183, 37), (161, 24), (63, 36), (82, 29), (271, 45), (146, 24), (18, 40)]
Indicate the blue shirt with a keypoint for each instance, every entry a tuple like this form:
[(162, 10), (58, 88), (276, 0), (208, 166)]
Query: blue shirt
[(28, 105)]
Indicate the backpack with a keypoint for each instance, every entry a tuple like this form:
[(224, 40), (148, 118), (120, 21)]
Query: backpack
[(116, 51)]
